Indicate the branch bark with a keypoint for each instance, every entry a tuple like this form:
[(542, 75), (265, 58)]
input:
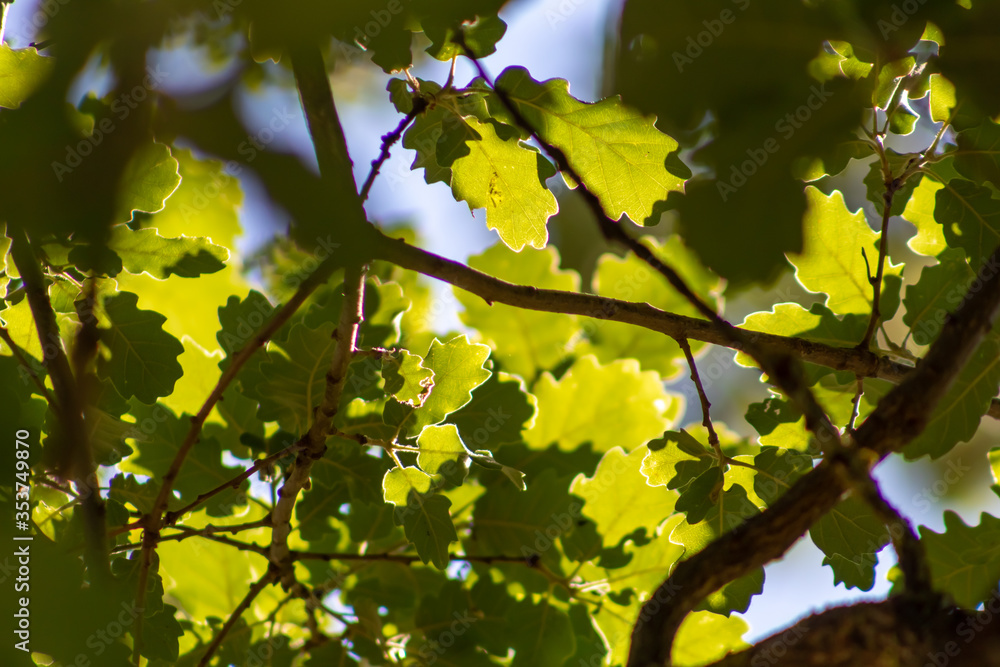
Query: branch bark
[(899, 417)]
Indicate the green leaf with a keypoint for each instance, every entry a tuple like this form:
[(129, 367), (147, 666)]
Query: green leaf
[(617, 151), (480, 38), (541, 634), (971, 219), (718, 511), (525, 342), (675, 460), (500, 408), (151, 176), (160, 635), (607, 405), (22, 71), (290, 383), (526, 524), (158, 440), (831, 261), (428, 525), (704, 638), (631, 279), (940, 289), (618, 498), (504, 177), (942, 98), (240, 320), (458, 369), (875, 182), (143, 361), (145, 250), (781, 468), (441, 447), (963, 558), (956, 417), (978, 154), (818, 323), (851, 535), (406, 378), (127, 489), (399, 482), (919, 211)]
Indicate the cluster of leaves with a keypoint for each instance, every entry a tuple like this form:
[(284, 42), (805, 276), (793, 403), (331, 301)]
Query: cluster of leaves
[(509, 495)]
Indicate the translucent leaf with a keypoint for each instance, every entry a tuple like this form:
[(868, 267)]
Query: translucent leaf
[(942, 98), (406, 378), (525, 342), (963, 558), (151, 176), (500, 408), (618, 498), (458, 369), (617, 151), (504, 178), (399, 482), (145, 250), (630, 279), (831, 261), (441, 447), (143, 361), (718, 511), (919, 210), (607, 405), (541, 634), (22, 71), (704, 638)]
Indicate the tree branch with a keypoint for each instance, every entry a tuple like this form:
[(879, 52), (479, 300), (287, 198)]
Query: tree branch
[(900, 416), (73, 456), (255, 590), (313, 443)]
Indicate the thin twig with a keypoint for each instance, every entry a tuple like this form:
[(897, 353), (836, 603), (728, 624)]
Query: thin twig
[(419, 104), (891, 186), (706, 418), (255, 590), (399, 558), (22, 358), (172, 517)]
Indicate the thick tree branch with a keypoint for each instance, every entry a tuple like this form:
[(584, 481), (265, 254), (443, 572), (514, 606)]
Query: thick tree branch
[(899, 417)]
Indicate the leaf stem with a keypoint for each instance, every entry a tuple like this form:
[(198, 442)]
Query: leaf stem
[(706, 418)]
